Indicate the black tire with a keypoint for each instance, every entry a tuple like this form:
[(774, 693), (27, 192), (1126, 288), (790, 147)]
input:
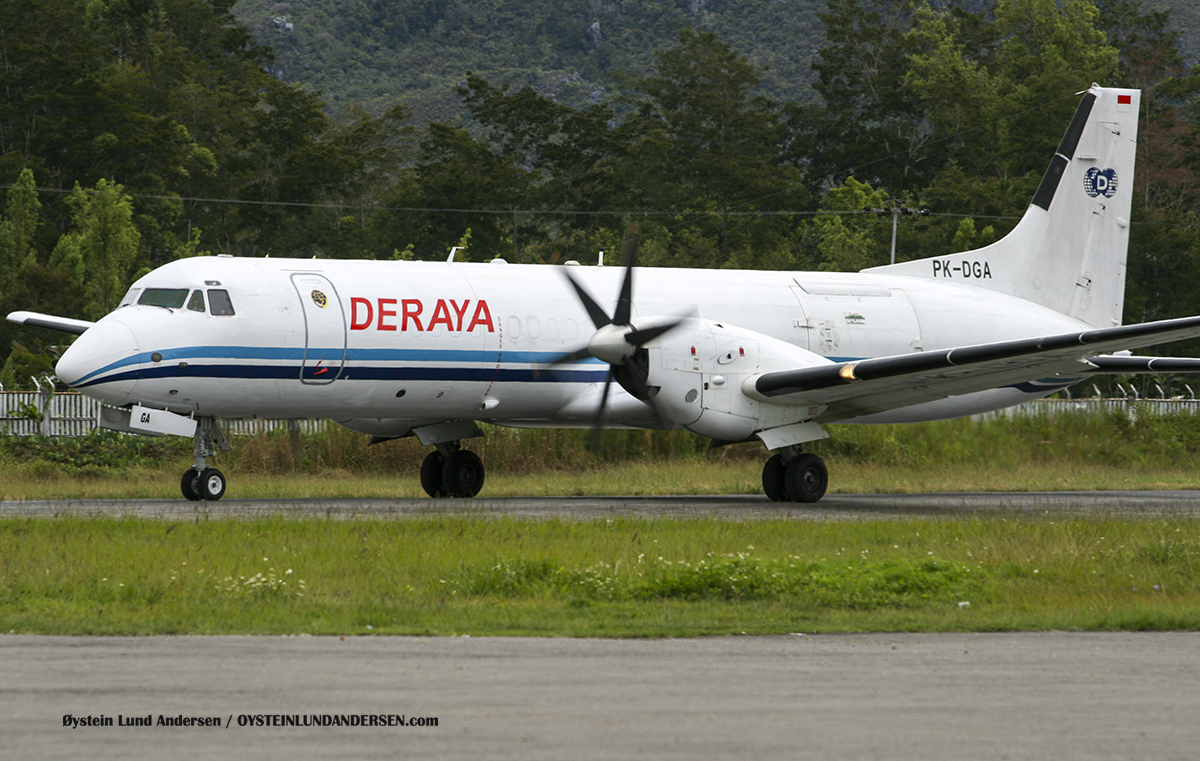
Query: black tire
[(772, 479), (462, 475), (431, 474), (806, 478), (190, 485), (212, 484)]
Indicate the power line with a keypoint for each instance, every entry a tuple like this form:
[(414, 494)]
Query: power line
[(528, 212)]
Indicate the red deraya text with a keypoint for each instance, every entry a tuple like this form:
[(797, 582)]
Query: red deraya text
[(408, 315)]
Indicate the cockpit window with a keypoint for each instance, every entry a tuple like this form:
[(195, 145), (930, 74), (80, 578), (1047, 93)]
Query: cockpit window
[(172, 298), (130, 297), (218, 300), (196, 302)]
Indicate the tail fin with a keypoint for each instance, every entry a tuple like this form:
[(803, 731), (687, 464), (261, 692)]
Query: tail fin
[(1068, 251)]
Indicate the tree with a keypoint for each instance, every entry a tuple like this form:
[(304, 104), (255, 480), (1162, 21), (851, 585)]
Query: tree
[(998, 101), (103, 247), (18, 227), (455, 173), (704, 144), (869, 124), (850, 242)]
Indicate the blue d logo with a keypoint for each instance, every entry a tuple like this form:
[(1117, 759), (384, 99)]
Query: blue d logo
[(1100, 182)]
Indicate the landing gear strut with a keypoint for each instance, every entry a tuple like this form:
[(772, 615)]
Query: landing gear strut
[(451, 471), (795, 476), (201, 482)]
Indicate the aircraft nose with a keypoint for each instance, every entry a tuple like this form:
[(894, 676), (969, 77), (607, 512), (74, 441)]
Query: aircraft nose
[(102, 363)]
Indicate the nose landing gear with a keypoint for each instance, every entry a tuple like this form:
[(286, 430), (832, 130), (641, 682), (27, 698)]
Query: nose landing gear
[(201, 482)]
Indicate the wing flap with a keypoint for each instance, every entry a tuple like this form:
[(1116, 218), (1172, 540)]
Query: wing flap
[(1135, 365)]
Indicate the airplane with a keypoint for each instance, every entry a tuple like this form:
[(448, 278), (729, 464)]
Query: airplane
[(430, 349)]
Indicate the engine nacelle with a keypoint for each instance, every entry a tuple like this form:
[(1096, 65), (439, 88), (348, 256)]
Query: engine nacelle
[(696, 374)]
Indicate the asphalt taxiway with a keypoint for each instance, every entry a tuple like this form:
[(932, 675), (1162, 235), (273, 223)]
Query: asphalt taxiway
[(1124, 504), (934, 697)]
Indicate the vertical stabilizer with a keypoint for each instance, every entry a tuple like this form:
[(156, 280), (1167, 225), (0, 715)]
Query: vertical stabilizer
[(1068, 251)]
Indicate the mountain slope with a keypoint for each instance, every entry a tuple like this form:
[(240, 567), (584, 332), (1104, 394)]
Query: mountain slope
[(378, 52)]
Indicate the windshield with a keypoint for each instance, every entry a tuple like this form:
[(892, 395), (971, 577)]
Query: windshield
[(196, 302), (172, 298)]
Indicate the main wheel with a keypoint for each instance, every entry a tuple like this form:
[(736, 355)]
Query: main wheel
[(462, 475), (190, 485), (212, 484), (806, 478), (772, 479), (431, 474)]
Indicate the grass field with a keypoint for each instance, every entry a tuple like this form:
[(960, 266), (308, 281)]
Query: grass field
[(446, 576)]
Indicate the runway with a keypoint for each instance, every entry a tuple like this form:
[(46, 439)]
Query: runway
[(933, 697), (834, 507)]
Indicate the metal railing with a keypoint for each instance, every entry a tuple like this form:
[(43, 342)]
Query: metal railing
[(1093, 406), (44, 413)]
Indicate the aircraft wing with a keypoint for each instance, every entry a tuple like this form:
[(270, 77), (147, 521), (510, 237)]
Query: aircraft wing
[(852, 389), (36, 320)]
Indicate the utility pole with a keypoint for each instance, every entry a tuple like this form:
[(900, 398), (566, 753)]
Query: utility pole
[(895, 208)]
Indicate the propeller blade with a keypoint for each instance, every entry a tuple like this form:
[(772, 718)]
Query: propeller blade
[(601, 416), (595, 311), (624, 311), (646, 335), (578, 354), (562, 359)]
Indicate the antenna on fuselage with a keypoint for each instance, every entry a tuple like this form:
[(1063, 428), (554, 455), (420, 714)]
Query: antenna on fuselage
[(601, 262), (454, 250)]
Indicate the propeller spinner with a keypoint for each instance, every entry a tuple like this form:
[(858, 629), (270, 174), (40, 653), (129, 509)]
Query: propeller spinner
[(618, 342)]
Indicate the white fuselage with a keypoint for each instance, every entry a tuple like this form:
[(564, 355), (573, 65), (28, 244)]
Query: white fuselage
[(384, 345)]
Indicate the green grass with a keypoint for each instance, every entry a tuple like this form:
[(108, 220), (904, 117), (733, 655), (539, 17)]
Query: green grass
[(622, 578)]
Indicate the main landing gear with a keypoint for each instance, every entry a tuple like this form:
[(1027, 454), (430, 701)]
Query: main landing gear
[(795, 476), (451, 471), (201, 482)]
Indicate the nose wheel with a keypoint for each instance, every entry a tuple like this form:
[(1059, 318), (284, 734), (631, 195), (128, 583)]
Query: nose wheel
[(207, 484)]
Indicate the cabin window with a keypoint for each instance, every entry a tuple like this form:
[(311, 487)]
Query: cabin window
[(196, 302), (172, 298), (219, 303)]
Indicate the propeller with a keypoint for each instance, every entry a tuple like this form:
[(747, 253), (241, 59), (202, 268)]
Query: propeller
[(618, 342)]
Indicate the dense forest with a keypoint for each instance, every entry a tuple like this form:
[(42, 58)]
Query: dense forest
[(135, 132), (377, 52)]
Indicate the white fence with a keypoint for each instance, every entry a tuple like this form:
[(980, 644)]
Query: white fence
[(71, 414), (1131, 407)]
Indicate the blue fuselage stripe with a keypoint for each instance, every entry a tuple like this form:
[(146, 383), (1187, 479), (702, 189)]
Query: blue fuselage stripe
[(278, 354), (142, 365)]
